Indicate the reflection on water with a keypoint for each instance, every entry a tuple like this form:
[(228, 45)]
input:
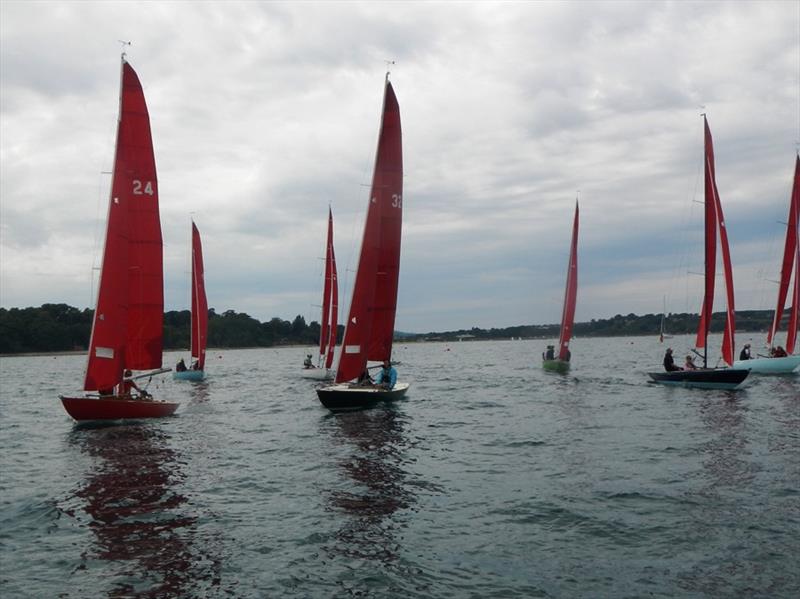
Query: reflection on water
[(199, 393), (727, 444), (376, 443), (139, 520)]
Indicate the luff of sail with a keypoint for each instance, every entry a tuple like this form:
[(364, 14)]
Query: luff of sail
[(788, 264), (128, 320), (370, 323), (199, 302), (570, 294)]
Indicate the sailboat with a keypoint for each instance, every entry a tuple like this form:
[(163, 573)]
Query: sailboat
[(370, 323), (560, 363), (199, 325), (711, 378), (330, 315), (128, 318), (791, 262)]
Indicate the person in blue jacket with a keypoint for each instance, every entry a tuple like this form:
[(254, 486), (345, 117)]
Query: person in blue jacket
[(387, 377)]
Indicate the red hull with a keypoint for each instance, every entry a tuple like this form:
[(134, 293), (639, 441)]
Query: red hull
[(88, 408)]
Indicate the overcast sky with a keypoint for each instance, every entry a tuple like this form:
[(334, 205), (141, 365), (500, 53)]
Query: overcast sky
[(265, 113)]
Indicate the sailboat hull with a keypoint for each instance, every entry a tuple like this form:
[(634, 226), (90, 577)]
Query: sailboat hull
[(346, 397), (189, 375), (560, 366), (785, 365), (723, 378), (114, 408), (317, 374)]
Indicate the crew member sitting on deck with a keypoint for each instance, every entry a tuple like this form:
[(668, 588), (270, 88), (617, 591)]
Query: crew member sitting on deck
[(689, 365), (127, 386), (745, 353), (669, 362), (387, 377), (550, 354), (180, 366)]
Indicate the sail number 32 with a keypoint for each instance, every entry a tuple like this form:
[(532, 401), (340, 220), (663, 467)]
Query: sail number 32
[(140, 188)]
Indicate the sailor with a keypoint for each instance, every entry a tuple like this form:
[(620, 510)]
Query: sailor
[(387, 377), (669, 362), (550, 354), (127, 386), (745, 353)]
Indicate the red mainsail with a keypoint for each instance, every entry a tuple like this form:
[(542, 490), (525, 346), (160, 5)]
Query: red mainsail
[(715, 225), (370, 324), (330, 300), (789, 263), (199, 301), (571, 293), (710, 240), (128, 319)]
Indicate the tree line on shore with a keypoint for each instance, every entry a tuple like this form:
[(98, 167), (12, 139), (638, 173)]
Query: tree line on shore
[(60, 327)]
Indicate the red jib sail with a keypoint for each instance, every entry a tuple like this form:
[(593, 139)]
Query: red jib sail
[(199, 301), (330, 300), (128, 319), (789, 259), (571, 293), (370, 324)]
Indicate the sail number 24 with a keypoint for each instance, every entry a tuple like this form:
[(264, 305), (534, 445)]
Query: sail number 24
[(140, 188)]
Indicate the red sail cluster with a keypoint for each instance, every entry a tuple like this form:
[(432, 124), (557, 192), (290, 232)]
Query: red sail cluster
[(714, 222)]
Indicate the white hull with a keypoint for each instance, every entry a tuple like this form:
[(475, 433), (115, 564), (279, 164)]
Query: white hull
[(317, 374), (785, 365)]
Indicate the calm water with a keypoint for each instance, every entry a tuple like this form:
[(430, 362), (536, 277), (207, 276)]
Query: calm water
[(492, 479)]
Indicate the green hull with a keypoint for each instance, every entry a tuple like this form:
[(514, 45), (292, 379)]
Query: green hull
[(556, 366)]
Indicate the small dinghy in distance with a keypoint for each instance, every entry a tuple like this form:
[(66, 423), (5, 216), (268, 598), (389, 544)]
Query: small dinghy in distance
[(128, 318), (711, 378), (561, 363), (370, 323), (330, 315), (199, 325), (791, 262)]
